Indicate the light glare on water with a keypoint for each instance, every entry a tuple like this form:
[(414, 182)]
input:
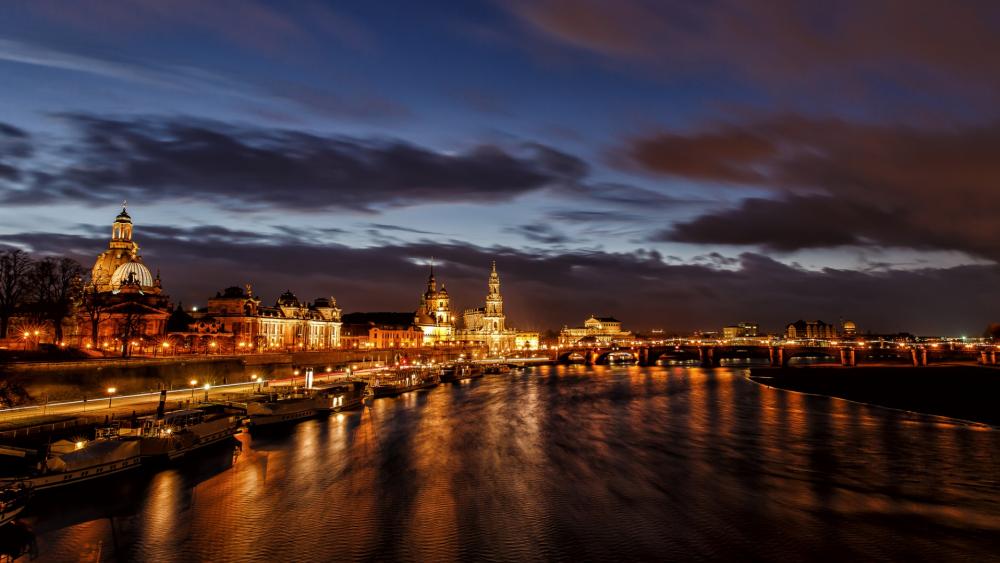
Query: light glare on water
[(561, 463)]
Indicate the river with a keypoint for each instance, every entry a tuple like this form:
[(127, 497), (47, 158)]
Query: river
[(561, 463)]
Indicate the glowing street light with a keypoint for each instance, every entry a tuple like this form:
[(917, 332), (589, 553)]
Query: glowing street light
[(207, 387), (193, 383), (111, 395)]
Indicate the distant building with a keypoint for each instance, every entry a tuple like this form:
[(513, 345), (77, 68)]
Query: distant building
[(380, 330), (595, 330), (848, 328), (236, 315), (434, 316), (742, 330), (123, 300), (810, 329)]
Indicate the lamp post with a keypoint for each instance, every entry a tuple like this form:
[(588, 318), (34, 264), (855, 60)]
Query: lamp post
[(207, 387), (193, 383), (111, 395)]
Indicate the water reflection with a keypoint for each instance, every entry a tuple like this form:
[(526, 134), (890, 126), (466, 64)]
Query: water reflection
[(567, 462)]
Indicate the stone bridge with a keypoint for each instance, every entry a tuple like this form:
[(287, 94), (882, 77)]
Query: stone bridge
[(714, 355)]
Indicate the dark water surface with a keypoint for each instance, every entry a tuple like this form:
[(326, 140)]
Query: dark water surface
[(562, 463)]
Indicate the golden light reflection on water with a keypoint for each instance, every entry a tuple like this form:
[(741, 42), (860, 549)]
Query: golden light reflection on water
[(163, 510), (574, 463)]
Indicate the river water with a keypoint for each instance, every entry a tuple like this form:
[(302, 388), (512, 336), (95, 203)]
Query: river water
[(562, 463)]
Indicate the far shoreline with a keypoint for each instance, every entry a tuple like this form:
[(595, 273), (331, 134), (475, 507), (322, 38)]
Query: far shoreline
[(964, 393)]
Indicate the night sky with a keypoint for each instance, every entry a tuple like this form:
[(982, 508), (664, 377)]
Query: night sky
[(679, 165)]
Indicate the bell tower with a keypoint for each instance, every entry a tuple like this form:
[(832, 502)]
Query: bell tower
[(494, 316)]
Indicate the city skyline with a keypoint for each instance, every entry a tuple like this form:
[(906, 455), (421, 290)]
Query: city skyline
[(674, 179)]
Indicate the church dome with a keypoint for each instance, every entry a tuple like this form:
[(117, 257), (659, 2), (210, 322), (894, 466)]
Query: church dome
[(132, 272), (123, 217)]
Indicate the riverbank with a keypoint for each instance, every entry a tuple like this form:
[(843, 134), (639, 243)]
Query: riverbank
[(963, 392)]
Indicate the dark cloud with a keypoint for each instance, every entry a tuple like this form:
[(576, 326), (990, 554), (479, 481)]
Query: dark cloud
[(540, 233), (15, 144), (400, 229), (839, 183), (155, 159), (366, 106), (587, 216), (549, 289), (248, 23), (826, 48)]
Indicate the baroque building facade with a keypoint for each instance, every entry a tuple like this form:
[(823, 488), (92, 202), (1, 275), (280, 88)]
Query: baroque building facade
[(433, 316), (487, 326), (810, 329), (595, 330), (123, 304), (237, 316)]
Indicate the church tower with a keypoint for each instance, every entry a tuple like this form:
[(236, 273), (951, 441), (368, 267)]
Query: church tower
[(433, 315), (494, 317)]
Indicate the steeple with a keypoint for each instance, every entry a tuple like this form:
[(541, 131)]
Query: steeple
[(494, 301), (431, 281)]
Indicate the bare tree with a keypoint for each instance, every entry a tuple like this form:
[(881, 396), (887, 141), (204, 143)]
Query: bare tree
[(56, 284), (14, 267), (94, 307), (131, 322)]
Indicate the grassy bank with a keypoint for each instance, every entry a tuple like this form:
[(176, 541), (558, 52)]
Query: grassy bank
[(966, 392)]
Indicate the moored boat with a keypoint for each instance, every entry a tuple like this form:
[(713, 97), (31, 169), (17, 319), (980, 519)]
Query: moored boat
[(404, 380), (281, 408), (69, 462), (460, 371), (13, 499), (175, 434), (495, 369)]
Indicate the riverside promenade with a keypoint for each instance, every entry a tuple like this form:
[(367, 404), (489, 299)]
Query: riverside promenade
[(59, 390)]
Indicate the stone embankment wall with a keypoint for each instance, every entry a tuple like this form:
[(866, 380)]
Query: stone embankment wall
[(62, 381)]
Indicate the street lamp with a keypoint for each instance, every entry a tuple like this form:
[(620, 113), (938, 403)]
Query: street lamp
[(207, 387), (111, 395), (193, 383)]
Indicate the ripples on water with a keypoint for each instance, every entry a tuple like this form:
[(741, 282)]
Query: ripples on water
[(562, 463)]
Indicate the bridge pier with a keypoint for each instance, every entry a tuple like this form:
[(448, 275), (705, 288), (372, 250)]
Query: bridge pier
[(847, 357), (990, 358), (706, 355)]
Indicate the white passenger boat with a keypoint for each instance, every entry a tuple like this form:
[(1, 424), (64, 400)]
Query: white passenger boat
[(281, 408), (68, 462)]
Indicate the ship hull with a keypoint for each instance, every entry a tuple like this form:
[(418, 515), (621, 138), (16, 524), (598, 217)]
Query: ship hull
[(65, 478)]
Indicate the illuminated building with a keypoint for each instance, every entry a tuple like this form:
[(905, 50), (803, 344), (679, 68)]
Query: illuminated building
[(235, 314), (433, 316), (486, 326), (123, 300), (595, 330), (742, 330), (848, 328), (380, 330), (810, 329)]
